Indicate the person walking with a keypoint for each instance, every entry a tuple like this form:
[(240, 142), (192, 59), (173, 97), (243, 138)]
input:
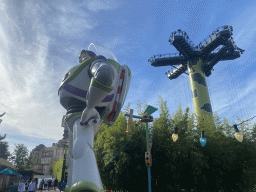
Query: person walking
[(55, 184), (32, 186), (41, 185), (22, 186), (26, 185), (49, 184), (35, 184), (45, 184)]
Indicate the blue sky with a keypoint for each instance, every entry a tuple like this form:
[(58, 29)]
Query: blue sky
[(41, 41)]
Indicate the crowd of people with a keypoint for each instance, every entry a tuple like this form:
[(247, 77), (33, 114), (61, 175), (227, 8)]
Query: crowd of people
[(26, 186)]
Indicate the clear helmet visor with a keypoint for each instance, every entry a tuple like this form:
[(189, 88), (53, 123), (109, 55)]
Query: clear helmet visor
[(101, 50)]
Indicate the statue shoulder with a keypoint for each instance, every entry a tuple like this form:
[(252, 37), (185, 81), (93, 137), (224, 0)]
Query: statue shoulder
[(74, 71)]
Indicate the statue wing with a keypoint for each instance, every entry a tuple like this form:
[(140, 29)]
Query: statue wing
[(1, 138), (2, 114)]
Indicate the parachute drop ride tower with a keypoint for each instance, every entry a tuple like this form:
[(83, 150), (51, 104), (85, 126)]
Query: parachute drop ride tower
[(199, 62)]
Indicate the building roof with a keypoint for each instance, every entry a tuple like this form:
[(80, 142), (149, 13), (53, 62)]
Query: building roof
[(39, 147), (5, 162)]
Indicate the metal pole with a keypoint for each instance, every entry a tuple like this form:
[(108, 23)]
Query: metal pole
[(149, 174)]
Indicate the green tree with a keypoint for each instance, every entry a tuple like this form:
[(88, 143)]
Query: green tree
[(253, 133), (21, 158), (244, 128), (56, 166), (57, 169), (141, 109), (120, 156), (4, 150), (169, 157), (30, 162), (221, 164), (127, 109), (226, 127)]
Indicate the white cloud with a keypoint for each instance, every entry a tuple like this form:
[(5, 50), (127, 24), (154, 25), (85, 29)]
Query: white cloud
[(27, 92), (244, 28), (103, 5)]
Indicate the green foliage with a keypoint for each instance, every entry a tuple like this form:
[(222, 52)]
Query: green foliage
[(244, 128), (3, 167), (127, 109), (221, 164), (121, 173), (56, 166), (30, 163), (57, 169), (4, 152), (253, 133), (21, 158), (225, 124), (141, 110)]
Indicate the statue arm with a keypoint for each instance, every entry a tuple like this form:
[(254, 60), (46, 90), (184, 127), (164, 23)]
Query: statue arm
[(103, 75)]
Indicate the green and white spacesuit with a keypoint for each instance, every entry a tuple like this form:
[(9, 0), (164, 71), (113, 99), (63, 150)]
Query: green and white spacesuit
[(92, 92)]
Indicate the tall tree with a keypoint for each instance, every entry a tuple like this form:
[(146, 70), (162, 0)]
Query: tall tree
[(225, 125), (127, 109), (57, 169), (253, 133), (220, 165), (244, 128), (120, 156), (141, 109), (4, 152), (20, 156)]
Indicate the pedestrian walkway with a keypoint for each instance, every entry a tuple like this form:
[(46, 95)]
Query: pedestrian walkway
[(46, 190)]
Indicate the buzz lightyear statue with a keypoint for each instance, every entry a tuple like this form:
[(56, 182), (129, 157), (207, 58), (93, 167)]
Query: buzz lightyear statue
[(92, 92)]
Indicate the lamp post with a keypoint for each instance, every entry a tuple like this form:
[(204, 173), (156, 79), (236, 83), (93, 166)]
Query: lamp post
[(145, 118)]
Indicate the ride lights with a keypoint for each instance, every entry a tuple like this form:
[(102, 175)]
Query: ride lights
[(238, 134), (203, 140), (175, 135)]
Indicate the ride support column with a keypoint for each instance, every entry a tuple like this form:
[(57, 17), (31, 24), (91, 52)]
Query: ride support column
[(200, 94)]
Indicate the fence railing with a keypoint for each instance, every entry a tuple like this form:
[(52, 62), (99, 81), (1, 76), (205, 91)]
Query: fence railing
[(181, 33), (219, 29), (163, 56)]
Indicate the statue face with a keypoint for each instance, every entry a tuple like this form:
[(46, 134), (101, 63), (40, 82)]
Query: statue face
[(85, 54), (82, 57)]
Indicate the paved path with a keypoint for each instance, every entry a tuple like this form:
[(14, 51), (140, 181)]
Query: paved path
[(46, 190)]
